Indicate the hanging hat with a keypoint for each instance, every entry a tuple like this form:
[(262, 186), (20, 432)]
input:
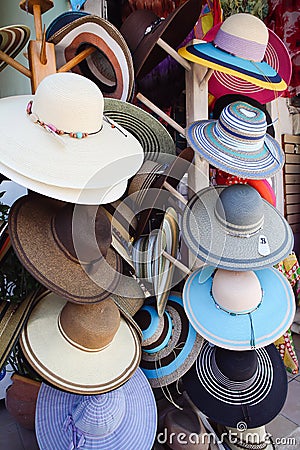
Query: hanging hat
[(276, 55), (236, 310), (128, 295), (84, 349), (89, 152), (79, 196), (238, 49), (12, 319), (148, 190), (65, 247), (163, 270), (12, 40), (152, 135), (142, 30), (110, 66), (151, 266), (231, 387), (234, 228), (62, 20), (238, 142), (170, 344), (248, 439), (122, 419), (184, 429)]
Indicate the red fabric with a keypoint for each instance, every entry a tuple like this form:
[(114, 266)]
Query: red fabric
[(284, 19)]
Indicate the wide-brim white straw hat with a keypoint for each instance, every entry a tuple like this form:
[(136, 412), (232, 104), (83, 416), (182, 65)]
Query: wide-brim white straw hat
[(60, 137)]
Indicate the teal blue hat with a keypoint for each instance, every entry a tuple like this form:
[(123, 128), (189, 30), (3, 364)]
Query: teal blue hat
[(239, 310), (170, 343)]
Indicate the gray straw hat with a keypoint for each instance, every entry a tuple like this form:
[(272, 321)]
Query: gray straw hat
[(234, 228)]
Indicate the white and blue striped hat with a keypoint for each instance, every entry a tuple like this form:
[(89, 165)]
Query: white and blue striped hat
[(238, 142), (123, 419)]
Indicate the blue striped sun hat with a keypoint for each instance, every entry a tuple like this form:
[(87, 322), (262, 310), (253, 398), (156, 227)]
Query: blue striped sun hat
[(170, 343), (239, 310), (123, 419), (238, 142)]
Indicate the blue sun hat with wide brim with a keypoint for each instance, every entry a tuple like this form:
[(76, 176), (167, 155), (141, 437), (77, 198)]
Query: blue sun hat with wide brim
[(239, 310), (170, 344), (238, 142), (121, 419), (238, 49)]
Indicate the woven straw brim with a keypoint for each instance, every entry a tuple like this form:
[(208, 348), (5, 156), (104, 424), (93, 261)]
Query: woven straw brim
[(97, 161), (259, 73), (69, 368), (234, 331), (170, 363), (83, 196), (152, 135), (259, 164), (12, 319), (207, 239), (35, 246), (276, 55), (129, 295), (137, 428), (12, 40), (62, 20), (265, 398), (102, 34)]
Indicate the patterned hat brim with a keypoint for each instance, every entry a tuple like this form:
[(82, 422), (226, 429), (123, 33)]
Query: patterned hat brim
[(263, 163), (259, 73), (255, 406), (210, 242), (12, 40)]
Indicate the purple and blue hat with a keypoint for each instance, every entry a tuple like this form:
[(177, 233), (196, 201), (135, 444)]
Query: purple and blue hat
[(121, 419), (238, 142)]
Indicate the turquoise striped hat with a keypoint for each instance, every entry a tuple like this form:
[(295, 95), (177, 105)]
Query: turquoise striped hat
[(238, 142), (170, 343)]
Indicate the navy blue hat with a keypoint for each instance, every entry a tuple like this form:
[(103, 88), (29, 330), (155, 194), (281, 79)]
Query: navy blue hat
[(62, 20)]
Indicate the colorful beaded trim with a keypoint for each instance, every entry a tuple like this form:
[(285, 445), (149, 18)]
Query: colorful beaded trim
[(52, 129)]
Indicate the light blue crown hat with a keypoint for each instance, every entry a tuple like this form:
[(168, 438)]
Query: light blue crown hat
[(239, 310), (238, 142)]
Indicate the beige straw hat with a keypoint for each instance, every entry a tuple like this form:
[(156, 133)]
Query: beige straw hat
[(84, 349), (55, 146)]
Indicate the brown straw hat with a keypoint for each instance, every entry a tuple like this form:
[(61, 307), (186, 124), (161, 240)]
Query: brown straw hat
[(65, 248), (84, 349)]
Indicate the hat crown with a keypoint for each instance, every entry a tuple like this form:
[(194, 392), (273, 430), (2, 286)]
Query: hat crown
[(100, 415), (70, 102), (243, 35), (90, 327), (242, 127), (240, 209), (236, 292)]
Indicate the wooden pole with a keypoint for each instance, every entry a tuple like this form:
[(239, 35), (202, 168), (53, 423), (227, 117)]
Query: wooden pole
[(183, 62), (77, 59), (15, 64), (177, 263), (37, 15), (162, 114)]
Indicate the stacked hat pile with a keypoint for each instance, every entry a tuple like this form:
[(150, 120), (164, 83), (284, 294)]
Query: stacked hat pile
[(98, 170)]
